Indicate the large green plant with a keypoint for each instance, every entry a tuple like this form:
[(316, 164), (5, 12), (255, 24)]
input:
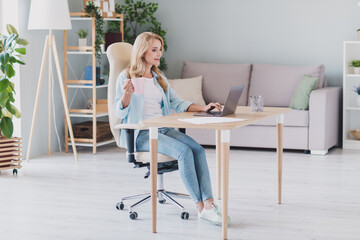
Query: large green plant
[(93, 11), (139, 17), (11, 49)]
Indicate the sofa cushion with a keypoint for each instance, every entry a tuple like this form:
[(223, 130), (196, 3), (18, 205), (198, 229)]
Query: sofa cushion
[(301, 97), (219, 78), (277, 83), (189, 89), (293, 118)]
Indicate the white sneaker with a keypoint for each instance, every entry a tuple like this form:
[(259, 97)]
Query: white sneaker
[(213, 215)]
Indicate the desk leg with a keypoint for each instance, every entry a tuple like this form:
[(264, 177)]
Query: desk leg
[(153, 135), (218, 164), (225, 148), (280, 122)]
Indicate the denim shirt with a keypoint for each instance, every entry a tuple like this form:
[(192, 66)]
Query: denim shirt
[(133, 113)]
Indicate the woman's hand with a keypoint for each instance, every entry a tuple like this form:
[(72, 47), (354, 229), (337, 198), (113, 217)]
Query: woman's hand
[(128, 89), (211, 106)]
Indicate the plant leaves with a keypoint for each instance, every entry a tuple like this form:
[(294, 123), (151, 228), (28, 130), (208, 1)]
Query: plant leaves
[(4, 58), (10, 40), (21, 50), (20, 62), (13, 59), (7, 127), (11, 96), (4, 97), (4, 84), (22, 41), (11, 29), (13, 110), (6, 113), (10, 72)]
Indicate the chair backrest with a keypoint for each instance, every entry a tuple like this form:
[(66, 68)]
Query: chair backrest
[(119, 55)]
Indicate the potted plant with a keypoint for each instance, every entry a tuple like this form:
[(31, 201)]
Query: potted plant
[(82, 33), (11, 49), (357, 91), (356, 65), (112, 34), (139, 15)]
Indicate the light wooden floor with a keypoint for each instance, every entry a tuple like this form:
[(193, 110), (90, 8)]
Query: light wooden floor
[(56, 198)]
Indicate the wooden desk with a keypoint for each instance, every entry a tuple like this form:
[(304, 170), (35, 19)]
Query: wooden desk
[(222, 148)]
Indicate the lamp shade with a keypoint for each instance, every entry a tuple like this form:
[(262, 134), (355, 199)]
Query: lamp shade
[(49, 14)]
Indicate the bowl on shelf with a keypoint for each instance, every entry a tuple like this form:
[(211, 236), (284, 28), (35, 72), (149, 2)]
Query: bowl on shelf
[(356, 133)]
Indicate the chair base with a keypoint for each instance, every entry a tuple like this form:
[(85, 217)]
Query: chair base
[(162, 196)]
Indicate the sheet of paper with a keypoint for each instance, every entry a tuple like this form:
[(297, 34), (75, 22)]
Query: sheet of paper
[(97, 3), (105, 7), (204, 120), (112, 5)]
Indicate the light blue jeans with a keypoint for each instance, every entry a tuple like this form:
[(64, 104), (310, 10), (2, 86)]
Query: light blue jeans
[(191, 157)]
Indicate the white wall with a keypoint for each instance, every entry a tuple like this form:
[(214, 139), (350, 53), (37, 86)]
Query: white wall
[(259, 31)]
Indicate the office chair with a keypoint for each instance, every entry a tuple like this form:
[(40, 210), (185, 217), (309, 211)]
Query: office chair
[(119, 57)]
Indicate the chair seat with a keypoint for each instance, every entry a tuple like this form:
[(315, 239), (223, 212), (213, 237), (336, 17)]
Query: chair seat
[(145, 157)]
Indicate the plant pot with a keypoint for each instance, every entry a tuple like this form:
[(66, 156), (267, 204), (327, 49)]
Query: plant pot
[(82, 44), (10, 153), (358, 35), (102, 48), (356, 70), (111, 38), (358, 101)]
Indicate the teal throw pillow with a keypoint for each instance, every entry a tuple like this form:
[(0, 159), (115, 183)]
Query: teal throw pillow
[(301, 97)]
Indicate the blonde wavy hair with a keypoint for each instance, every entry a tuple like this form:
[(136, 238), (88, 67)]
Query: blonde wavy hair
[(136, 67)]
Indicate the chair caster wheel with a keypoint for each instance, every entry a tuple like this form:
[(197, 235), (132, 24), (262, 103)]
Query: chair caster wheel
[(120, 206), (133, 215), (185, 215), (15, 171), (162, 201)]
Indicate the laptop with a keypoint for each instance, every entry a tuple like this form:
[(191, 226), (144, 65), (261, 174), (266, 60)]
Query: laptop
[(230, 104)]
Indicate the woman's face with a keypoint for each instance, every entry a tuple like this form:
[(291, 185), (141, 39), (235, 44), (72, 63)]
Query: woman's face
[(153, 54)]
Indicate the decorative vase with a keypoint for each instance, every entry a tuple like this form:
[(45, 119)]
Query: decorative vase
[(358, 101), (82, 44), (356, 70)]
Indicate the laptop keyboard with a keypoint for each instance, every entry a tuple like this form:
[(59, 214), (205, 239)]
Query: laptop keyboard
[(215, 114)]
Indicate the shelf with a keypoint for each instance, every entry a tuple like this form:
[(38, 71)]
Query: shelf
[(90, 19), (89, 53), (81, 53), (86, 86), (88, 115), (351, 144), (98, 144)]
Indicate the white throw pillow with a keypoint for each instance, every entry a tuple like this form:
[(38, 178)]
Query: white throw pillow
[(189, 89)]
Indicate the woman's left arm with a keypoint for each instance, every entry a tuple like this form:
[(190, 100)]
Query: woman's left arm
[(201, 108)]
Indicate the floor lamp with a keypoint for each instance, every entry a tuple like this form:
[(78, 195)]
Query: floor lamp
[(50, 15)]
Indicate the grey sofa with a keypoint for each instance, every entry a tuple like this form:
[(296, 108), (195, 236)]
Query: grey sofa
[(316, 129)]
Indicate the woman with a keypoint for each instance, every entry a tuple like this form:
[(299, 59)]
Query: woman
[(158, 100)]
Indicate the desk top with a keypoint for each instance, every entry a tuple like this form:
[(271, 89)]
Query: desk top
[(241, 112)]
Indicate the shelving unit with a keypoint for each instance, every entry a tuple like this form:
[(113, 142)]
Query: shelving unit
[(85, 84), (351, 112)]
